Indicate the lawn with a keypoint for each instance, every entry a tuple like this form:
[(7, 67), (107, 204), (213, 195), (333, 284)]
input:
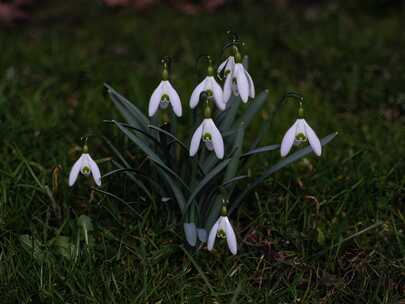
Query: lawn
[(324, 230)]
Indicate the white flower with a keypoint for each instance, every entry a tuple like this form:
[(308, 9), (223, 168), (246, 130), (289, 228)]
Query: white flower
[(226, 67), (223, 229), (213, 90), (86, 165), (191, 233), (162, 96), (297, 134), (240, 83), (210, 135)]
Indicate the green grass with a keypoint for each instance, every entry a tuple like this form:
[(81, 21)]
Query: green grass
[(328, 230)]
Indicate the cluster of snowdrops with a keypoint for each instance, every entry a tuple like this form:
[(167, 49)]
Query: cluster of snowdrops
[(207, 95)]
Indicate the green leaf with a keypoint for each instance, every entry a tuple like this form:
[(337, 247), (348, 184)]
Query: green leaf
[(116, 197), (227, 117), (213, 211), (178, 194), (214, 172), (260, 150), (140, 184), (168, 134), (232, 168), (281, 164), (126, 165), (149, 152), (183, 145), (254, 107), (128, 109), (266, 124), (234, 180), (151, 139)]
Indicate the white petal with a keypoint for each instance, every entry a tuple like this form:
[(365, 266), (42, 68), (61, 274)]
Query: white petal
[(195, 96), (242, 82), (231, 64), (95, 171), (74, 172), (218, 95), (191, 233), (217, 140), (230, 236), (222, 66), (228, 88), (174, 98), (313, 139), (155, 99), (202, 235), (288, 140), (196, 139), (252, 90), (213, 235)]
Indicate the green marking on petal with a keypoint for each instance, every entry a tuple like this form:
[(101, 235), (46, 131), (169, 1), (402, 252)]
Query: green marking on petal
[(301, 137), (85, 170), (164, 101), (207, 137), (221, 234), (165, 97)]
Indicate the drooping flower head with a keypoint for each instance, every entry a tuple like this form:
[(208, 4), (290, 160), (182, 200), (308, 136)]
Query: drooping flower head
[(164, 95), (300, 133), (223, 229), (86, 166), (237, 79), (210, 87), (209, 134)]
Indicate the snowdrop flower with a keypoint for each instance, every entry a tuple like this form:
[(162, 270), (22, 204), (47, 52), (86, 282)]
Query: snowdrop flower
[(164, 95), (238, 81), (223, 229), (211, 87), (210, 135), (298, 134), (85, 165)]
